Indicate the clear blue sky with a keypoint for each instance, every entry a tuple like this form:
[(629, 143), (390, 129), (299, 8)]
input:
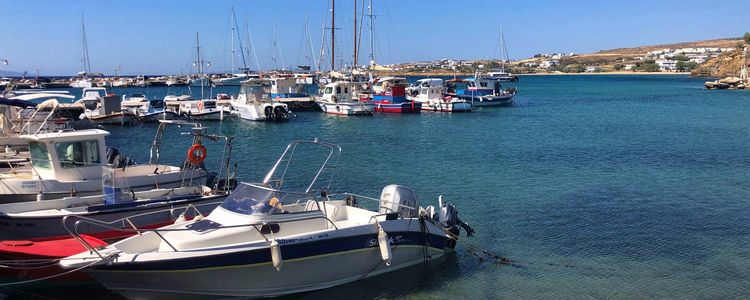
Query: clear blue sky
[(154, 37)]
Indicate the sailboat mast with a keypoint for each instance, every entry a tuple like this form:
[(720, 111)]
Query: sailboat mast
[(504, 49), (313, 61), (239, 40), (355, 35), (252, 46), (86, 63), (232, 51), (199, 62), (333, 35), (372, 38)]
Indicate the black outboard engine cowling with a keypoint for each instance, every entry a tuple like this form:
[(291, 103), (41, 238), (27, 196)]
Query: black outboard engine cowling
[(268, 111), (448, 217), (279, 112)]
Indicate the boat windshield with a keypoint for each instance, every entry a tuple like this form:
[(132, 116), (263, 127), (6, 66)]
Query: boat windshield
[(39, 155), (157, 104), (251, 199)]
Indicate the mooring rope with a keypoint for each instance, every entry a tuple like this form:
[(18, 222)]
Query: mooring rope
[(53, 276), (475, 250)]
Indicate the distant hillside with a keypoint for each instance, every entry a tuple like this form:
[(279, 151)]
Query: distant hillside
[(637, 58), (724, 65), (642, 50), (10, 73)]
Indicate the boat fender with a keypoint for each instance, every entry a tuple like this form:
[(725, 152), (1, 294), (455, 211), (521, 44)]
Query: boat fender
[(385, 246), (200, 105), (198, 218), (276, 255)]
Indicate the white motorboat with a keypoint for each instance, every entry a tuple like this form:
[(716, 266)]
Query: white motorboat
[(480, 91), (43, 219), (147, 110), (278, 237), (430, 92), (338, 99), (254, 102), (133, 100), (103, 108), (149, 208), (74, 163), (204, 110)]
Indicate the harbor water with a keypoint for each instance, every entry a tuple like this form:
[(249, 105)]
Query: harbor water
[(596, 186)]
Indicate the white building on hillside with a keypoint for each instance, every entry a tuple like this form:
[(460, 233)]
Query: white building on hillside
[(667, 64)]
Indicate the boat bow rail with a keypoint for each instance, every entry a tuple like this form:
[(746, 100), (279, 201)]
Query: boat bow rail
[(71, 223)]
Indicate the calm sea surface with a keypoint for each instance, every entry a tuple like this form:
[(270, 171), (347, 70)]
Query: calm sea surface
[(597, 186)]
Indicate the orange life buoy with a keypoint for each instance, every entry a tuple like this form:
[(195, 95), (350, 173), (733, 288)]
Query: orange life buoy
[(197, 154), (200, 106)]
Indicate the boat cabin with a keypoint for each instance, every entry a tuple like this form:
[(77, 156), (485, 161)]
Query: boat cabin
[(284, 87), (97, 98), (428, 88), (69, 155), (339, 91), (255, 90)]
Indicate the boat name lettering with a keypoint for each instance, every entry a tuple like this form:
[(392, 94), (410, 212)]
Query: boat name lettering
[(302, 239), (399, 239), (28, 185)]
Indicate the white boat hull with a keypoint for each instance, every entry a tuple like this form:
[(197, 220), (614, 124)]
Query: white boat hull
[(258, 112), (442, 106), (350, 108), (310, 261), (47, 223), (296, 276), (20, 188)]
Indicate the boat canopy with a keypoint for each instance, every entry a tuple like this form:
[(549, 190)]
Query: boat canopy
[(17, 103)]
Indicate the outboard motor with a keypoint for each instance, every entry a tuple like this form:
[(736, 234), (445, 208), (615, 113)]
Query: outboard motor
[(111, 154), (279, 112), (268, 111), (400, 200), (448, 217)]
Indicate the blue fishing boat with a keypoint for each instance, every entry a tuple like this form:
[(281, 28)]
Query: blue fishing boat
[(480, 91)]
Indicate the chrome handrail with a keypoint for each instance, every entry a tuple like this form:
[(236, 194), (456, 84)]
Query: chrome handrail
[(158, 231)]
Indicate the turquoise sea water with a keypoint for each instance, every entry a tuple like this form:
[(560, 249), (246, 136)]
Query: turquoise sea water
[(597, 186)]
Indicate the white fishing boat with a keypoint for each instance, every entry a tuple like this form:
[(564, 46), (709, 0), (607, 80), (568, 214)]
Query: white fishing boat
[(255, 103), (278, 237), (103, 108), (73, 163), (338, 99), (430, 92)]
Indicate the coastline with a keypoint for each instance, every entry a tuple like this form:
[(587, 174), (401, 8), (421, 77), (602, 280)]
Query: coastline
[(427, 74)]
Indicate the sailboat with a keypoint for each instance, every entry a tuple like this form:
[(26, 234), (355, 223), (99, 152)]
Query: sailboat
[(83, 81), (501, 74), (236, 78), (202, 109)]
